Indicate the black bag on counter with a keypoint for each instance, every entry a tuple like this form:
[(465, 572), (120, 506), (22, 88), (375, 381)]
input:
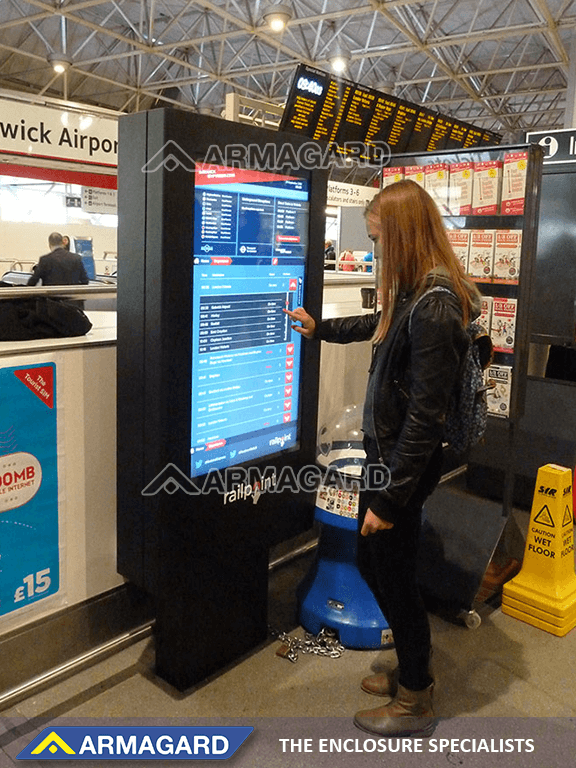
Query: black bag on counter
[(41, 318)]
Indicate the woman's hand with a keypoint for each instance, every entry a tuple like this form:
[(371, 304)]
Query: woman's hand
[(300, 315), (373, 523)]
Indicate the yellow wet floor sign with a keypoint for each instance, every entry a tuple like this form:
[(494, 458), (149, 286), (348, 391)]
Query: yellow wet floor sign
[(544, 592)]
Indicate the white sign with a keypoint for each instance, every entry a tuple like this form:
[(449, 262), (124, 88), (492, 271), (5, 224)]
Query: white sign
[(46, 131), (96, 200), (349, 194)]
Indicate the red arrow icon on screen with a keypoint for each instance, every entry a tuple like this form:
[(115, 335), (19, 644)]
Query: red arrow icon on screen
[(287, 405), (289, 362), (287, 391), (287, 418), (289, 349), (293, 285), (289, 376)]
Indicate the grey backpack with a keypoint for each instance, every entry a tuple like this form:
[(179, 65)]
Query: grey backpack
[(467, 413)]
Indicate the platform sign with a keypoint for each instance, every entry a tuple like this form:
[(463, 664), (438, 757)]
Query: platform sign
[(29, 536)]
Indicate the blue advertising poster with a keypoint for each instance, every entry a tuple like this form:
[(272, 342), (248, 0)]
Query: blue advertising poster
[(29, 540)]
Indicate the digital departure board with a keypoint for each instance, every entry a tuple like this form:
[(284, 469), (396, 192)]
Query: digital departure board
[(382, 117), (440, 134), (250, 249), (474, 137), (422, 130), (358, 114), (342, 112), (489, 138)]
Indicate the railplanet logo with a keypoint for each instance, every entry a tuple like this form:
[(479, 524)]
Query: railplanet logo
[(136, 743)]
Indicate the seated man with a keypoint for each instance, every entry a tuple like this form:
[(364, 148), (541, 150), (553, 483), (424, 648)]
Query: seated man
[(59, 267)]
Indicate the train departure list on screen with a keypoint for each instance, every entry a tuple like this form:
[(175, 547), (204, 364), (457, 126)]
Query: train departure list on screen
[(250, 249)]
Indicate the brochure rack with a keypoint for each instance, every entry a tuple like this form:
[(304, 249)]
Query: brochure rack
[(489, 198)]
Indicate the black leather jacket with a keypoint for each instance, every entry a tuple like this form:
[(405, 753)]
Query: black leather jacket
[(415, 373)]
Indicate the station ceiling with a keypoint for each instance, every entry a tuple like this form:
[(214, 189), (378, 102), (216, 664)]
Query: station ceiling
[(500, 64)]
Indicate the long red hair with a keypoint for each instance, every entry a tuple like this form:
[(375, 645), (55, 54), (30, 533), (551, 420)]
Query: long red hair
[(413, 242)]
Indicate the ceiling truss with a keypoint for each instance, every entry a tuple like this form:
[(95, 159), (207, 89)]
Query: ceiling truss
[(503, 65)]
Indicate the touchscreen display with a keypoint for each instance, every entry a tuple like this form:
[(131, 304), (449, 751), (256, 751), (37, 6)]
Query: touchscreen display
[(250, 249)]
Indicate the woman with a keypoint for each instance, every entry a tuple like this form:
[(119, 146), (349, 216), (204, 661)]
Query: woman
[(420, 342), (346, 256)]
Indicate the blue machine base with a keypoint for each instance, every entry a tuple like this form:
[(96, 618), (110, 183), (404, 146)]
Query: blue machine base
[(333, 594)]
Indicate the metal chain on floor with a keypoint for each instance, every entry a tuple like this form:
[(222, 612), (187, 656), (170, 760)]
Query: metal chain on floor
[(325, 643)]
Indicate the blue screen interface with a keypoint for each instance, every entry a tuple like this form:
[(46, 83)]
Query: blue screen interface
[(249, 264)]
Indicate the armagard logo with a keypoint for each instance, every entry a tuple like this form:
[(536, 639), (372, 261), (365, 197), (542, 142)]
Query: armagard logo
[(239, 484), (53, 743), (136, 743), (170, 479), (310, 155), (170, 156)]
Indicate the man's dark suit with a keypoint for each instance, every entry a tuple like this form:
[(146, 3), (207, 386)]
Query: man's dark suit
[(59, 267)]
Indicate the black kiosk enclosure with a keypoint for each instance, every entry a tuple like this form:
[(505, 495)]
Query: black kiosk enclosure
[(221, 227)]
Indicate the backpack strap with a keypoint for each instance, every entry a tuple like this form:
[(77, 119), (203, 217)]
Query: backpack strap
[(478, 334), (434, 289)]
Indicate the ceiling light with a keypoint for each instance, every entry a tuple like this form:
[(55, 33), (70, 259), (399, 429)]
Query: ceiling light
[(60, 62), (339, 63), (277, 16)]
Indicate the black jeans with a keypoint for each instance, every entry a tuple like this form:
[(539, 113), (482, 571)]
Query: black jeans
[(387, 561)]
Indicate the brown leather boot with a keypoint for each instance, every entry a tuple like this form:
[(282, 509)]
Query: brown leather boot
[(386, 683), (410, 713), (381, 684)]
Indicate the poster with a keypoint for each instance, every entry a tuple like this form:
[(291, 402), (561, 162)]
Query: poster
[(29, 534)]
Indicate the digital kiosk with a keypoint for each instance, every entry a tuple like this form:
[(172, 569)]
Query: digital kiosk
[(219, 232)]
